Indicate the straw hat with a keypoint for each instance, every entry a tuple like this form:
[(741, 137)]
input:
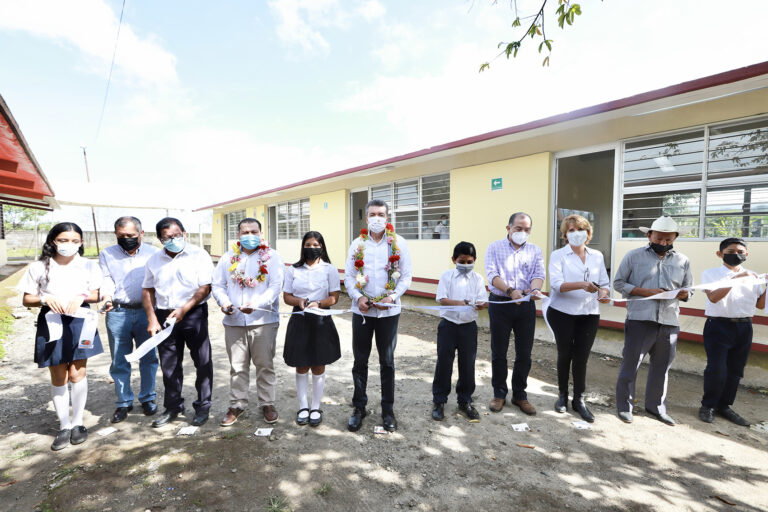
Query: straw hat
[(664, 225)]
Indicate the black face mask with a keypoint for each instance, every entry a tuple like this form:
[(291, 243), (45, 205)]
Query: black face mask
[(128, 244), (734, 260), (660, 249), (311, 253)]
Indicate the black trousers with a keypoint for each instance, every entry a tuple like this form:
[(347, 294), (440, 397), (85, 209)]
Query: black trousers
[(519, 318), (385, 329), (452, 338), (727, 345), (574, 336), (192, 331)]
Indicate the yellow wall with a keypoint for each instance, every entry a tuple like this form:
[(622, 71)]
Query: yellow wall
[(332, 222), (702, 256), (479, 215), (429, 259), (217, 233)]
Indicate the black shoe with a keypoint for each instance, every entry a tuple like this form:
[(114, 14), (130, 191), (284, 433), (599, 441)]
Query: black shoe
[(706, 414), (356, 420), (302, 420), (470, 412), (150, 408), (664, 418), (120, 414), (62, 440), (437, 412), (315, 422), (562, 403), (79, 435), (200, 418), (389, 422), (580, 407), (733, 416), (166, 417)]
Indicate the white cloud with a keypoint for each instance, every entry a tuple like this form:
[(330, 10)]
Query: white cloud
[(91, 26), (371, 10)]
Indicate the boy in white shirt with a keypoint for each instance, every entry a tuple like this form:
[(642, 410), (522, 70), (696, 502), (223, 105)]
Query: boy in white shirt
[(728, 331), (457, 331)]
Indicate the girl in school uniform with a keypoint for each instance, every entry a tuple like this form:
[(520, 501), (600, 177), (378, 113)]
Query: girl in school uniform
[(62, 281), (311, 341)]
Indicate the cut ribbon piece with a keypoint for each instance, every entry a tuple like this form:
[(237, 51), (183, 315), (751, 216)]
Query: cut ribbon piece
[(152, 342)]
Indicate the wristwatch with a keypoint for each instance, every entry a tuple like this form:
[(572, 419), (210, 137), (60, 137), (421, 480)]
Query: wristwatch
[(466, 302), (509, 291)]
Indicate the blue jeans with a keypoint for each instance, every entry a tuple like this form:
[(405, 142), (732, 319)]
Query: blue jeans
[(124, 326)]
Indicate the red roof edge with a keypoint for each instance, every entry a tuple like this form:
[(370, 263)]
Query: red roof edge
[(726, 77)]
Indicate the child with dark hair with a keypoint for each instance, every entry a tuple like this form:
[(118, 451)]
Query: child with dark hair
[(457, 331), (62, 282), (311, 341)]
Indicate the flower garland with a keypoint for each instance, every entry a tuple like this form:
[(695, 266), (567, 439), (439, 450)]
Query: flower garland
[(263, 251), (392, 267)]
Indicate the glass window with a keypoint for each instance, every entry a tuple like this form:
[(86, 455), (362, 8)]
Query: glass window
[(406, 210), (667, 159), (738, 150), (292, 219), (233, 219), (642, 209), (737, 212), (435, 205)]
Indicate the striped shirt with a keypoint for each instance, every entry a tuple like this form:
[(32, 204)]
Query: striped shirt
[(516, 267)]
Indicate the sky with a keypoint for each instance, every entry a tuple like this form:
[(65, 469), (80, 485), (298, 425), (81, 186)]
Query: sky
[(210, 101)]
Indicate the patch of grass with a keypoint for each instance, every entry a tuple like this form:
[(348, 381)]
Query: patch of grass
[(277, 504), (198, 502), (62, 475), (323, 490), (232, 434), (21, 455), (6, 326)]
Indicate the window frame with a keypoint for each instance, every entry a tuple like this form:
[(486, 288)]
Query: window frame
[(705, 183), (301, 219)]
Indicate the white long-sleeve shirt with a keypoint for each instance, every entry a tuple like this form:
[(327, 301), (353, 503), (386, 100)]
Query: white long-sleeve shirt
[(565, 266), (265, 295), (124, 273), (375, 257)]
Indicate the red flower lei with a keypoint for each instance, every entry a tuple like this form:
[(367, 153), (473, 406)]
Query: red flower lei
[(240, 278), (392, 267)]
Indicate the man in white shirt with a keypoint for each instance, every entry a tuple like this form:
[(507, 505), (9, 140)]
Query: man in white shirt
[(442, 231), (177, 281), (122, 266), (378, 271), (247, 281), (728, 330)]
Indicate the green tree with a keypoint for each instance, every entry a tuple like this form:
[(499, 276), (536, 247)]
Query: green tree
[(535, 27), (17, 217)]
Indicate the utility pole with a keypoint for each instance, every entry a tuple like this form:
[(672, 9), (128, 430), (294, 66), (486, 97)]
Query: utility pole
[(93, 212)]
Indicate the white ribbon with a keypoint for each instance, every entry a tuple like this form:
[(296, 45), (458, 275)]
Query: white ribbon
[(152, 342), (87, 333)]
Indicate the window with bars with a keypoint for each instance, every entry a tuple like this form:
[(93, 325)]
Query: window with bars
[(232, 220), (713, 181), (419, 208), (292, 219)]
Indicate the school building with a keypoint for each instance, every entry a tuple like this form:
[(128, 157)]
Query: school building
[(697, 151)]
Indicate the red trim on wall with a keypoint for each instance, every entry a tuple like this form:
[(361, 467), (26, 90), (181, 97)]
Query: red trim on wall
[(425, 280), (420, 294), (726, 77)]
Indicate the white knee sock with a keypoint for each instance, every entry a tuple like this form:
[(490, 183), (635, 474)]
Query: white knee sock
[(302, 384), (60, 396), (79, 395), (318, 383)]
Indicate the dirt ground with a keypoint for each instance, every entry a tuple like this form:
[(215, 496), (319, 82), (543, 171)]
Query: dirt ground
[(425, 465)]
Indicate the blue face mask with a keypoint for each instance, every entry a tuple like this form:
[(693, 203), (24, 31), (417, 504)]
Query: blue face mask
[(175, 244), (250, 241)]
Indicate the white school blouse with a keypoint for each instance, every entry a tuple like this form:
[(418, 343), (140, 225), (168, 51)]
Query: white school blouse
[(79, 276), (565, 266), (312, 283)]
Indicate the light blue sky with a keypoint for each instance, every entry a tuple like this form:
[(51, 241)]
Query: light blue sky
[(214, 100)]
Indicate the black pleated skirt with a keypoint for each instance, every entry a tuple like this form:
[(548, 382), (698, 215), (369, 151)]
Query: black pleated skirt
[(64, 350), (311, 340)]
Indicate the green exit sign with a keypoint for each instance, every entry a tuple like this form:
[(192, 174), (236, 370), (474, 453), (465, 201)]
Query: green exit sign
[(496, 184)]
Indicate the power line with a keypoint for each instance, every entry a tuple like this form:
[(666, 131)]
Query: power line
[(109, 79)]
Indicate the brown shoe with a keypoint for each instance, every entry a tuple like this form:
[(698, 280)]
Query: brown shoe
[(497, 404), (231, 416), (270, 413), (525, 406)]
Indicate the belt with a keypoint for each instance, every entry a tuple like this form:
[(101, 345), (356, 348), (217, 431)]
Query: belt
[(499, 297), (744, 320), (127, 305)]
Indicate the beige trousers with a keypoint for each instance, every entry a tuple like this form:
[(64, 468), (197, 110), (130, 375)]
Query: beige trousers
[(245, 344)]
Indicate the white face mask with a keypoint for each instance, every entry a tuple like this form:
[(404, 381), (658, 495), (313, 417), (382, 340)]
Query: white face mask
[(376, 224), (519, 237), (577, 238), (67, 249)]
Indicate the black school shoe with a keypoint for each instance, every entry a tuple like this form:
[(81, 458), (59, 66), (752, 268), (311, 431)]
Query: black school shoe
[(389, 422), (470, 412), (149, 408), (79, 435), (437, 412), (167, 417), (61, 440), (356, 420), (733, 416), (120, 414), (200, 418)]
